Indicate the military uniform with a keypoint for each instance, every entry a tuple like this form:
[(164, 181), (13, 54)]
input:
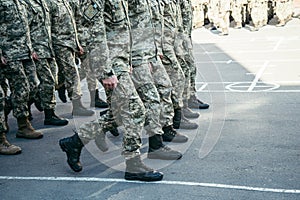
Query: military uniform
[(259, 13), (5, 147), (224, 13), (237, 8), (40, 33), (90, 35), (16, 47), (212, 13), (66, 44), (169, 59), (160, 76), (143, 50), (283, 11)]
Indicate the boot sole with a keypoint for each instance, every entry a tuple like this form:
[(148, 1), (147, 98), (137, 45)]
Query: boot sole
[(153, 156), (26, 137), (15, 153), (56, 124), (64, 149), (138, 177)]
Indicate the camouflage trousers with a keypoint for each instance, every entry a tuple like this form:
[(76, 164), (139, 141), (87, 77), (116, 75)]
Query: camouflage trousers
[(30, 71), (190, 60), (257, 14), (237, 12), (19, 86), (129, 111), (198, 15), (68, 71), (224, 21), (47, 79), (173, 69), (85, 71), (282, 10), (144, 84), (180, 51), (164, 87), (3, 127)]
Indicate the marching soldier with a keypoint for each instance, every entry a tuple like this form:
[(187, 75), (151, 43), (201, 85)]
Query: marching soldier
[(16, 49), (66, 44), (40, 33), (125, 102)]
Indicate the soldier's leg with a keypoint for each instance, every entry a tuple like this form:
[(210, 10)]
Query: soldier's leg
[(5, 147), (255, 17), (143, 82), (19, 87), (280, 7), (65, 59), (237, 15), (47, 92), (34, 94), (193, 101), (92, 82), (176, 75), (164, 88)]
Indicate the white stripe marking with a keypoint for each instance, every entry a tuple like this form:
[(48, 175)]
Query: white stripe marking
[(213, 185), (202, 87), (258, 75)]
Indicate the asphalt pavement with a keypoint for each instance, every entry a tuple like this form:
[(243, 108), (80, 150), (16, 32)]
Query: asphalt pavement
[(247, 145)]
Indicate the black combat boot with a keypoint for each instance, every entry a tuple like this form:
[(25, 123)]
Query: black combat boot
[(96, 101), (72, 146), (177, 118), (157, 150), (100, 141), (170, 135), (79, 110), (62, 93), (137, 170), (52, 119)]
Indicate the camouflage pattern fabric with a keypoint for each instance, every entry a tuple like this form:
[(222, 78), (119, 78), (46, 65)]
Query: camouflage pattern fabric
[(47, 82), (143, 48), (125, 102), (3, 127), (237, 6), (65, 59), (15, 46), (164, 87), (159, 73), (65, 44), (14, 32), (169, 59), (30, 71), (18, 83), (184, 27)]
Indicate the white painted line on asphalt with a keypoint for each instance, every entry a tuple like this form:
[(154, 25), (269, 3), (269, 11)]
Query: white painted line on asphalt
[(183, 183), (258, 75), (202, 87), (263, 91), (277, 44)]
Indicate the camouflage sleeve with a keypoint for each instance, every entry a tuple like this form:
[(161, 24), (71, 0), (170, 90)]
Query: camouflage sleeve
[(24, 14)]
